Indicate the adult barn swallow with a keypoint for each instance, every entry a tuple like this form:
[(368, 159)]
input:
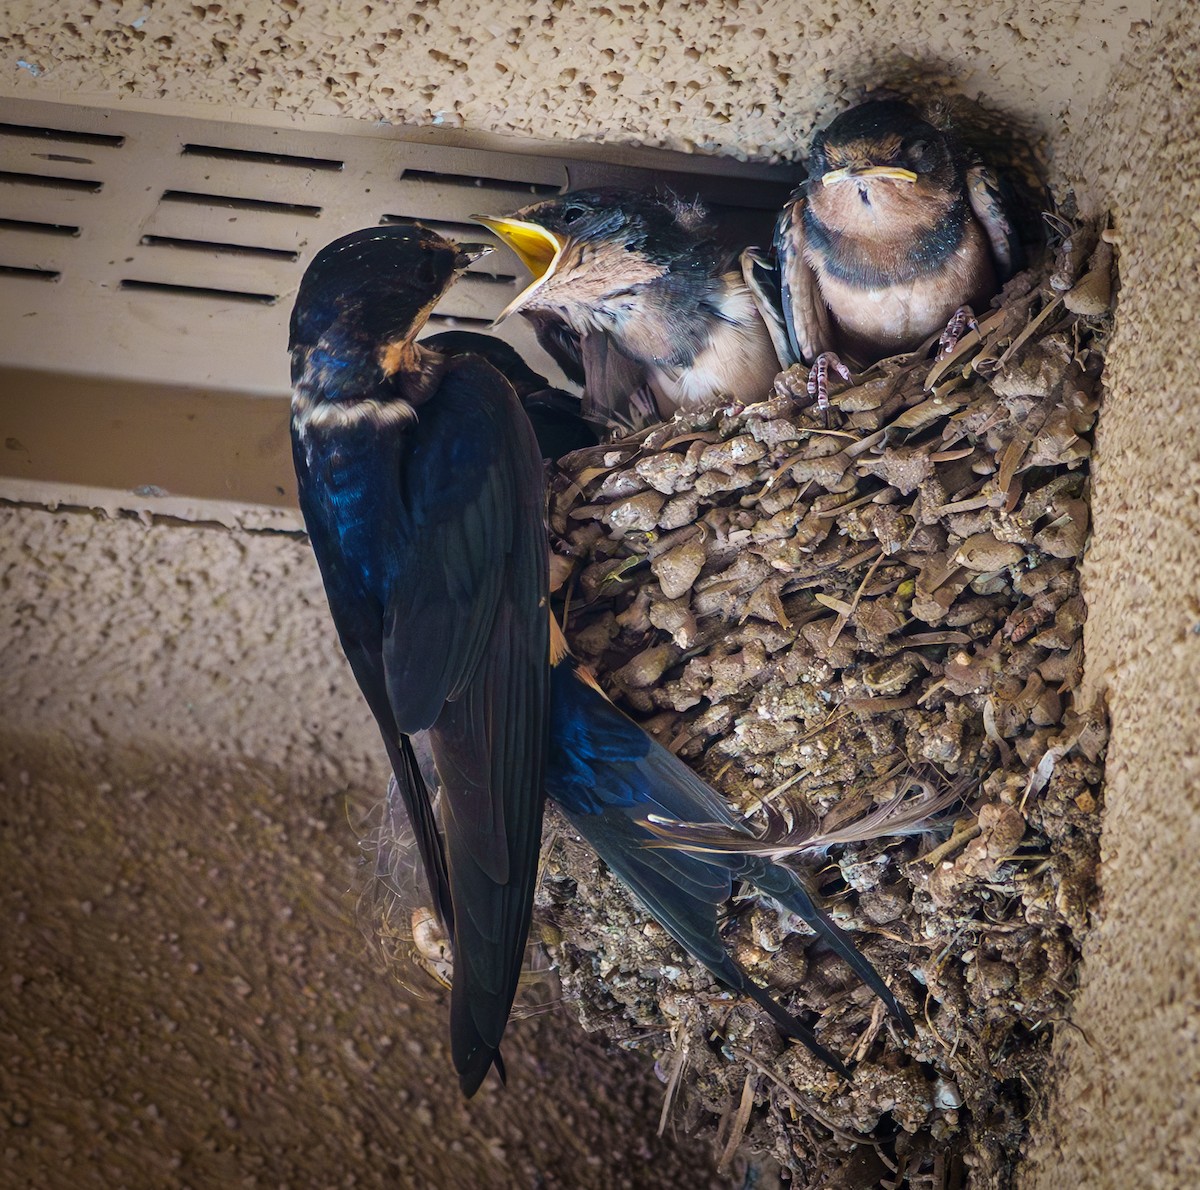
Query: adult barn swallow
[(634, 291), (421, 487), (896, 234), (609, 777), (557, 416)]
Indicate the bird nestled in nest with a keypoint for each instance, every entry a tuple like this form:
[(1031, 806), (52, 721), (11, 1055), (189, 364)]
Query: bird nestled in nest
[(896, 234), (637, 302)]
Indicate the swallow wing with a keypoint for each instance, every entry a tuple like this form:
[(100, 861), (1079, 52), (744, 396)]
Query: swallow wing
[(616, 392), (761, 276), (465, 650), (806, 316), (606, 774), (991, 205), (669, 789), (329, 480)]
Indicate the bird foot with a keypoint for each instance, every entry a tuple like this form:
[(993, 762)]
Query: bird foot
[(814, 381), (962, 319)]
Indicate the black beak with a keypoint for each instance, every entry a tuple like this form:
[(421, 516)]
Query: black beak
[(468, 254)]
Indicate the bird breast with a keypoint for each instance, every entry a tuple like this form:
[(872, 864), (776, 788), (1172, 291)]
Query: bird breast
[(738, 361), (874, 322)]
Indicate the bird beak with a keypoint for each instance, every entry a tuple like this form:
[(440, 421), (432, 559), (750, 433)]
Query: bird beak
[(538, 249), (468, 254), (868, 171)]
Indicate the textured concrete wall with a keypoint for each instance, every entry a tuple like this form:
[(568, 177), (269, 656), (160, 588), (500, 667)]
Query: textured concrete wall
[(187, 997), (744, 79), (188, 639), (1116, 90), (1127, 1112)]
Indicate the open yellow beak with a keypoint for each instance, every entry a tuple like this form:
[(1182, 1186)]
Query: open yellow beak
[(868, 171), (538, 249)]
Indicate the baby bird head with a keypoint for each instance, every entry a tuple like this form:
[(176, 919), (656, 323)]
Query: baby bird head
[(594, 253), (882, 171)]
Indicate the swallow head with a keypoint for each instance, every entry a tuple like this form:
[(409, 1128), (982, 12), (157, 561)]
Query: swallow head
[(880, 170), (365, 297), (592, 252)]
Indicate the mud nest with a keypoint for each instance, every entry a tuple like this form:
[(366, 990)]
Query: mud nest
[(812, 615)]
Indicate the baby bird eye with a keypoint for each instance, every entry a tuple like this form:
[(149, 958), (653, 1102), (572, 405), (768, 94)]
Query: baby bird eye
[(916, 150), (426, 273)]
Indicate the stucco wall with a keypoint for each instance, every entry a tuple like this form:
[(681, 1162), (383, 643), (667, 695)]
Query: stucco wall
[(187, 994), (233, 659), (1127, 1111), (742, 79)]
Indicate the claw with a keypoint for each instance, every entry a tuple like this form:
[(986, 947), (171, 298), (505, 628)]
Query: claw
[(818, 377), (962, 319)]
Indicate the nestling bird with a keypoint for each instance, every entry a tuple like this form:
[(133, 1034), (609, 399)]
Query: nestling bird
[(895, 235), (608, 777), (632, 293), (421, 486)]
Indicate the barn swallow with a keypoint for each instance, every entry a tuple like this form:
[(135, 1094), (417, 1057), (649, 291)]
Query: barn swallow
[(612, 780), (896, 234), (422, 490), (633, 291), (556, 415)]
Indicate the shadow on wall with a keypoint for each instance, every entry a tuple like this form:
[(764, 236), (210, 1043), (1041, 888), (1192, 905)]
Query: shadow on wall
[(188, 1001)]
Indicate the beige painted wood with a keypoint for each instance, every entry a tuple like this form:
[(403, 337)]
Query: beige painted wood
[(89, 322)]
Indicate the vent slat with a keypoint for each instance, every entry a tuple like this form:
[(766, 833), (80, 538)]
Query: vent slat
[(480, 185), (217, 250), (261, 157), (220, 225), (50, 254), (31, 204), (49, 182), (241, 272), (66, 135), (29, 274), (452, 203), (476, 297), (231, 202), (35, 227), (263, 181), (197, 291)]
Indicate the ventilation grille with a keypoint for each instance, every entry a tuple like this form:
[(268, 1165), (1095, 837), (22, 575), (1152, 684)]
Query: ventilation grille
[(149, 263), (167, 250)]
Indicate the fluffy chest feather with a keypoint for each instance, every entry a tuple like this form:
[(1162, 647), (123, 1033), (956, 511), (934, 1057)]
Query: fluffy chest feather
[(737, 359), (878, 320)]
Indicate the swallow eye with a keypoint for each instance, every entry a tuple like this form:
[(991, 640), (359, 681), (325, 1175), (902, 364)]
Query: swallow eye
[(571, 214), (426, 273), (917, 152)]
